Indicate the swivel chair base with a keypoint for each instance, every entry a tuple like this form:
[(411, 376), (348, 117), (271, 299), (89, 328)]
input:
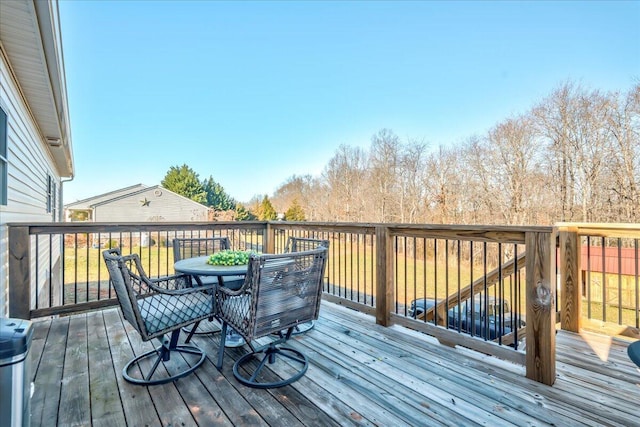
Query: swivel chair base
[(270, 354), (161, 354)]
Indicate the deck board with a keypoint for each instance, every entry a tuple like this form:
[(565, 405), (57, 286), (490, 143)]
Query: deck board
[(74, 394), (360, 374), (106, 407), (48, 375), (136, 402)]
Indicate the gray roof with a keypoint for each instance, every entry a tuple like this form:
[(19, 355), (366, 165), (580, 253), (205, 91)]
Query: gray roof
[(137, 191), (89, 202)]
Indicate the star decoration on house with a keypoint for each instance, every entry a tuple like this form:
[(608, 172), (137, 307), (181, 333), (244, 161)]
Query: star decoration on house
[(145, 202)]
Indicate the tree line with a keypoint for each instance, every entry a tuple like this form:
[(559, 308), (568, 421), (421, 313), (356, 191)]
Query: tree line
[(574, 156), (185, 181)]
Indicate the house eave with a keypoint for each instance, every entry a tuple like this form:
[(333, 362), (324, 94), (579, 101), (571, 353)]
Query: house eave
[(31, 41)]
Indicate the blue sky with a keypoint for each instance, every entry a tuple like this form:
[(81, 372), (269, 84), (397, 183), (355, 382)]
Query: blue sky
[(252, 93)]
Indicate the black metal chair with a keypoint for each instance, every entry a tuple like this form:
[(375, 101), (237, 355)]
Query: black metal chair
[(298, 244), (194, 247), (157, 308), (191, 247), (634, 352), (279, 293)]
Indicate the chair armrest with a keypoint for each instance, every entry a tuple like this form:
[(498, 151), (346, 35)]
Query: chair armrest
[(171, 282), (227, 292), (176, 285)]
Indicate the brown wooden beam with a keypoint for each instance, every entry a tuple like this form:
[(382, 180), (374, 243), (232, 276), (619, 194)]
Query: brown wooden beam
[(357, 306), (19, 272), (570, 280), (540, 336), (452, 338), (384, 276), (269, 239), (74, 308)]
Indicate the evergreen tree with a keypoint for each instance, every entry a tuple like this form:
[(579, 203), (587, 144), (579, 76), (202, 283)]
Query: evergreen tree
[(295, 212), (266, 212), (217, 198), (184, 181), (243, 214)]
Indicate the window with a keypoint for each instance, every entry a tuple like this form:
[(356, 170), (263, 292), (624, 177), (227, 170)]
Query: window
[(4, 164), (49, 194), (52, 204)]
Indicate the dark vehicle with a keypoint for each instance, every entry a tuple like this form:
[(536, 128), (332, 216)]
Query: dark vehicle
[(488, 321)]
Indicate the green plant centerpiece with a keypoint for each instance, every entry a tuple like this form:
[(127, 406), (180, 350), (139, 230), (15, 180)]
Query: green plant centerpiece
[(229, 257)]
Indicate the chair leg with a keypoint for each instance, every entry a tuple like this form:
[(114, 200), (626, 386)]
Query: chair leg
[(223, 338), (304, 327), (161, 354), (193, 330)]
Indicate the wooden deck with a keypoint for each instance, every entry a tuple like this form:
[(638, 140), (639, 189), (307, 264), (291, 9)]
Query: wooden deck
[(360, 374)]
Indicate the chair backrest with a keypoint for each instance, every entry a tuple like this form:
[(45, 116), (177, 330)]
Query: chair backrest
[(128, 285), (280, 291), (195, 247), (155, 306), (299, 244)]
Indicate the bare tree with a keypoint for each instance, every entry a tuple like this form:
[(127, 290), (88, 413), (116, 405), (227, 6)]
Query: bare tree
[(298, 189), (412, 175), (513, 159), (384, 160), (624, 127), (574, 156), (345, 176), (553, 117), (445, 191)]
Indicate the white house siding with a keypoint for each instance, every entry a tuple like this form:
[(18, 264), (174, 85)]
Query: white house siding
[(29, 167), (163, 206)]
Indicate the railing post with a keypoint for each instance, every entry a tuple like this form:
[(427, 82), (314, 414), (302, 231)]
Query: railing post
[(19, 272), (569, 269), (541, 337), (384, 276), (269, 239)]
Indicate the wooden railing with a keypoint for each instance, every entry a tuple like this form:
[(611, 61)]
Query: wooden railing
[(58, 269), (380, 269), (606, 257)]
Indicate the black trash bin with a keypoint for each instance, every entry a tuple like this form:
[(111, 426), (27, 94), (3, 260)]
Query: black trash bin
[(15, 389)]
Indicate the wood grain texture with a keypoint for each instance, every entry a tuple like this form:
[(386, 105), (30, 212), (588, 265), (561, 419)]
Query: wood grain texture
[(74, 394), (48, 374), (540, 285), (570, 286), (19, 272), (384, 276), (106, 407), (360, 374), (622, 230), (136, 401)]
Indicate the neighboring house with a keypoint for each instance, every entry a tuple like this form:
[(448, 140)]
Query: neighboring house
[(82, 210), (35, 141), (138, 203)]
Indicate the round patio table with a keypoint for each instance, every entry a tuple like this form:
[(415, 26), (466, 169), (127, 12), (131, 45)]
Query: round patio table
[(197, 267)]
